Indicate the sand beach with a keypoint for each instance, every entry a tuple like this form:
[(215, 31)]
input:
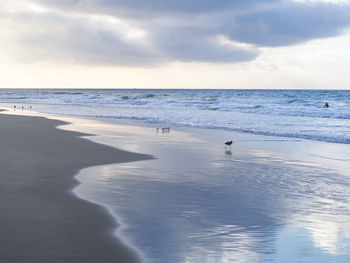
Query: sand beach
[(41, 220)]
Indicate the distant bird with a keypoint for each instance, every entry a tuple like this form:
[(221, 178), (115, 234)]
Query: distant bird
[(228, 144), (164, 129)]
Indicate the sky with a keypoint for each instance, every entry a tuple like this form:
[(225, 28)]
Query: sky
[(249, 44)]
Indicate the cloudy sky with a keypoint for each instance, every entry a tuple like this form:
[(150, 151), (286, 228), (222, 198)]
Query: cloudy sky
[(175, 44)]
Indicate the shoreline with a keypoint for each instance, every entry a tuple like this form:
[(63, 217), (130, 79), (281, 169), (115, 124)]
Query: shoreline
[(42, 219), (331, 155)]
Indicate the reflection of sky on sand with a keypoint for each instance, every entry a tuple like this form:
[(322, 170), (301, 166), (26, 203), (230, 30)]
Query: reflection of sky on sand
[(196, 203), (187, 220), (329, 230)]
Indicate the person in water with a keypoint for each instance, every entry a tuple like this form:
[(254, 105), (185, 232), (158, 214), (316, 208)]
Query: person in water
[(326, 105)]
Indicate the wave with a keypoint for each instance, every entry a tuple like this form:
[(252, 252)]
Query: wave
[(137, 97), (16, 97), (67, 93), (210, 98), (273, 113), (294, 101)]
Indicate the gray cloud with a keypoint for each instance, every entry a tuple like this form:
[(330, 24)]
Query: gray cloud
[(199, 44), (290, 24), (52, 37), (156, 7), (177, 30)]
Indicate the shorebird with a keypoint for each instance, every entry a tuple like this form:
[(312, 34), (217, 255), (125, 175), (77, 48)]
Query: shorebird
[(228, 144), (166, 129)]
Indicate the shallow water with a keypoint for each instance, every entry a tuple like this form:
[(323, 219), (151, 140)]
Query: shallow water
[(198, 202)]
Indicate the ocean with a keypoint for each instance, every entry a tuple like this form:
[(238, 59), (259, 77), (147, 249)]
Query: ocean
[(284, 113)]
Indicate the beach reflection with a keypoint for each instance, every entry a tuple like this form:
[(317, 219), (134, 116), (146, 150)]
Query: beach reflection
[(193, 204)]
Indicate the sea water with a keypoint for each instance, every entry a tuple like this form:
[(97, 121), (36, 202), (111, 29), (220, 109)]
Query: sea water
[(264, 200), (285, 113)]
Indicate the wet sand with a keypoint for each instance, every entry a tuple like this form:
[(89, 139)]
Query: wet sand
[(267, 199), (41, 219)]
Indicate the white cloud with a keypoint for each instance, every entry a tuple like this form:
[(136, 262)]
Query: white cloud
[(34, 33)]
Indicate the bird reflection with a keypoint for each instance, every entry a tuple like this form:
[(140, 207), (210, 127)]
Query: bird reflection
[(228, 152)]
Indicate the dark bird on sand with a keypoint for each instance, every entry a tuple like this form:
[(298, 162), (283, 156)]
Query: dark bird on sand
[(166, 129), (228, 144)]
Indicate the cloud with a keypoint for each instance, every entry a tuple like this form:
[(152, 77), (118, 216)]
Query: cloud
[(155, 32), (290, 24), (86, 40), (155, 7)]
